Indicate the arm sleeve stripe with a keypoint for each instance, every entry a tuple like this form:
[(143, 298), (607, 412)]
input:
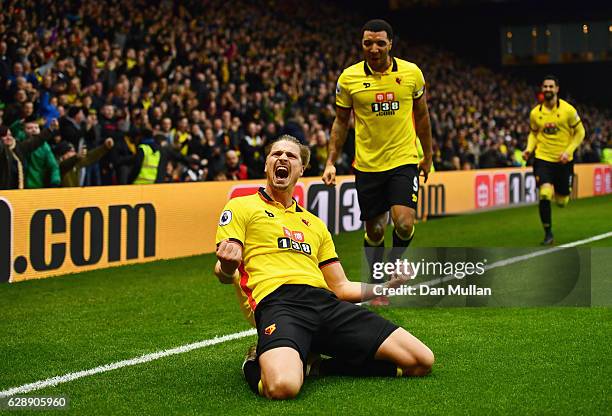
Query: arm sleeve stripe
[(328, 262), (341, 106), (235, 240), (421, 92), (576, 124)]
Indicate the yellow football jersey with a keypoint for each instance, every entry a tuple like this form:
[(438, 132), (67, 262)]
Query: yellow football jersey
[(385, 137), (280, 245), (553, 129)]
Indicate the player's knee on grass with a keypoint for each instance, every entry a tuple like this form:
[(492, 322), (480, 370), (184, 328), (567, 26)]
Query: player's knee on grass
[(420, 362), (562, 200), (281, 387), (423, 367), (281, 373), (407, 352), (546, 192)]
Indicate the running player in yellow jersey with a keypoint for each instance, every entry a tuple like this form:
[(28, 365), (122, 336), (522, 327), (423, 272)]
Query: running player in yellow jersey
[(384, 93), (555, 132), (295, 284)]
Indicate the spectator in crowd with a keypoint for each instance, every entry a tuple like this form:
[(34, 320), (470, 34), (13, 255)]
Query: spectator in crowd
[(492, 157), (196, 170), (318, 151), (166, 130), (15, 108), (200, 74), (148, 164), (42, 168), (13, 155), (252, 150), (71, 163), (71, 127), (234, 170), (109, 127), (152, 158), (181, 136), (93, 139)]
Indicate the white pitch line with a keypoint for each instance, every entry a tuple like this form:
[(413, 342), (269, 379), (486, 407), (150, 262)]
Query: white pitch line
[(512, 260), (54, 381), (518, 259)]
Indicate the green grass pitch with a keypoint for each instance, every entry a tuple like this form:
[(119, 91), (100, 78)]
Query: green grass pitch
[(490, 360)]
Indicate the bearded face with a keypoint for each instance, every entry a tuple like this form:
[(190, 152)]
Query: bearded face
[(550, 89)]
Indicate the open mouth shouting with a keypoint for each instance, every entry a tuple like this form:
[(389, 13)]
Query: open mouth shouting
[(281, 172), (283, 165)]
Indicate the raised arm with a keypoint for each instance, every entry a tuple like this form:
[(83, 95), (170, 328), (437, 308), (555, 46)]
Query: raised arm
[(96, 154), (30, 145), (229, 257), (336, 142)]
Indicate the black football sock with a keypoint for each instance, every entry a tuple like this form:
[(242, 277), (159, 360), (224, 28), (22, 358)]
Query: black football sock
[(399, 245), (546, 215), (374, 251), (252, 373), (370, 368)]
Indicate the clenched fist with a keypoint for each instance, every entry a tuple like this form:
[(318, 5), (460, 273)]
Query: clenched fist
[(229, 254), (526, 154), (329, 175)]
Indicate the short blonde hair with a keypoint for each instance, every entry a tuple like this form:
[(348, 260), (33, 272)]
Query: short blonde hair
[(304, 150)]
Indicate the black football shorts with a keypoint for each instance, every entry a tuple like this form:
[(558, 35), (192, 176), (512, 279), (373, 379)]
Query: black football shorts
[(378, 191), (561, 176), (307, 319)]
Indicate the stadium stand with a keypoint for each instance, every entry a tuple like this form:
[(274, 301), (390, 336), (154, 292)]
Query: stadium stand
[(207, 79)]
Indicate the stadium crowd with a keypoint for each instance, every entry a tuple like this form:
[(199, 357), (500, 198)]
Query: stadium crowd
[(210, 85)]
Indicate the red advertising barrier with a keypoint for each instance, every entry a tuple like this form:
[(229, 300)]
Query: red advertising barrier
[(47, 232)]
